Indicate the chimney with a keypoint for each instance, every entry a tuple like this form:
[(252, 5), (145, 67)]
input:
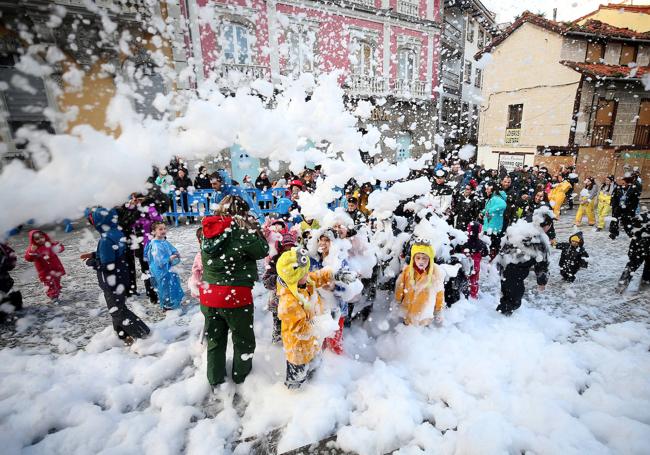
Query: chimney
[(554, 14)]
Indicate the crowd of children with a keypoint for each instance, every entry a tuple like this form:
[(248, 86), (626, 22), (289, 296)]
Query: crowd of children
[(323, 274)]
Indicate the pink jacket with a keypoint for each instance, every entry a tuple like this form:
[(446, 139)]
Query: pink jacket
[(195, 279)]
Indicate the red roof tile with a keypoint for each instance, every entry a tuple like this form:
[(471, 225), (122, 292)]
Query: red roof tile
[(600, 70), (594, 27)]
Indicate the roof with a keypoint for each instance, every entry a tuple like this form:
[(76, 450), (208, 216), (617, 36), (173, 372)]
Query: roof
[(602, 71), (592, 27), (641, 9)]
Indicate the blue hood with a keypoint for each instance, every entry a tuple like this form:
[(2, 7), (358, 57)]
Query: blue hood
[(104, 219)]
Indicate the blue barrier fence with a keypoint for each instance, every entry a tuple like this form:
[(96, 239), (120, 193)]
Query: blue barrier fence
[(202, 202)]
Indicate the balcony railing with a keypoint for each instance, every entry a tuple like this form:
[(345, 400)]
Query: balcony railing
[(452, 33), (366, 3), (410, 89), (408, 8), (642, 135), (362, 85), (233, 75), (117, 6), (601, 135)]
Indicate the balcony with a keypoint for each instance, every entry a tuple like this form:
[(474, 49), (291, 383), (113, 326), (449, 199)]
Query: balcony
[(642, 135), (451, 82), (366, 3), (113, 6), (408, 8), (602, 135), (361, 85), (232, 75), (452, 35), (410, 89)]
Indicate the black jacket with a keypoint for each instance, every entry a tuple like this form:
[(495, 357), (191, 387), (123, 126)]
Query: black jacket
[(202, 182), (465, 209), (182, 183), (572, 258)]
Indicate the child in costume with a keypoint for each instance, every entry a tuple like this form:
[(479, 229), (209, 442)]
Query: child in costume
[(162, 256), (42, 251), (573, 257)]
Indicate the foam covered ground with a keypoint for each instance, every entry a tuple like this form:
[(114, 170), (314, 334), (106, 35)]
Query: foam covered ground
[(568, 373)]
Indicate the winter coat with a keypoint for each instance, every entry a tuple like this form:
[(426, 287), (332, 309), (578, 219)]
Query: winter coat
[(573, 258), (167, 282), (44, 257), (263, 184), (298, 338), (202, 182), (182, 183), (229, 252), (194, 282), (493, 213), (526, 245), (165, 182), (419, 296), (640, 245), (142, 226), (625, 201), (7, 264), (512, 204), (466, 209), (110, 257), (442, 195)]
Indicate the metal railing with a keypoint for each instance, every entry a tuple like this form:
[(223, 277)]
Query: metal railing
[(642, 135), (359, 84), (451, 32), (233, 75), (366, 3), (601, 135), (408, 8), (119, 6), (410, 88)]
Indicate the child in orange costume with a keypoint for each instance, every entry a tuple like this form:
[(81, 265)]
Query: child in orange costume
[(421, 287)]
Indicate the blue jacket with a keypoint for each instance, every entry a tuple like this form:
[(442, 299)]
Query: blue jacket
[(493, 213), (168, 283), (112, 243)]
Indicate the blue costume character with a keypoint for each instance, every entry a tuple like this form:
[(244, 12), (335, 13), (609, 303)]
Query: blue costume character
[(168, 284)]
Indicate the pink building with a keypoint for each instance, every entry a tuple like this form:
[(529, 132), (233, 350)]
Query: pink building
[(388, 51)]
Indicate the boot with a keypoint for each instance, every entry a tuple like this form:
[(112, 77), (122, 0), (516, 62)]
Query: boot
[(624, 281)]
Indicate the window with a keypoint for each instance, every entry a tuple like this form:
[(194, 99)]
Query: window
[(464, 113), (467, 77), (595, 52), (406, 64), (301, 42), (236, 44), (365, 62), (481, 38), (474, 121), (515, 114), (604, 122), (642, 132), (477, 78), (628, 54), (470, 30)]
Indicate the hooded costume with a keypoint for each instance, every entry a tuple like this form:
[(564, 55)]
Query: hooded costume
[(557, 196), (605, 201), (109, 260), (420, 292), (47, 263), (167, 282), (297, 307), (573, 258)]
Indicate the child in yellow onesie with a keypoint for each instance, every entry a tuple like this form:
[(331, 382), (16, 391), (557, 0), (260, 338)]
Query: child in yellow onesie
[(298, 305), (420, 287)]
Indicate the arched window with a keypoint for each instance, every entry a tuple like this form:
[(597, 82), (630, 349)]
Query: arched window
[(365, 59)]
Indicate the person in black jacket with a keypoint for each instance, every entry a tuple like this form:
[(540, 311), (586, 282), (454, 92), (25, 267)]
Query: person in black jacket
[(466, 207), (182, 182), (525, 246), (10, 301), (625, 201), (512, 200), (202, 180), (573, 257), (638, 253)]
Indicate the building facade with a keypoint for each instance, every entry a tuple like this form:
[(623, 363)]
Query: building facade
[(566, 94), (79, 61), (386, 50), (468, 27)]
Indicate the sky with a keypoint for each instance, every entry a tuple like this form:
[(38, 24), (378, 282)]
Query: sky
[(567, 10)]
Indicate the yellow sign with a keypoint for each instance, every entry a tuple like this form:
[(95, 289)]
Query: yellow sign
[(512, 135)]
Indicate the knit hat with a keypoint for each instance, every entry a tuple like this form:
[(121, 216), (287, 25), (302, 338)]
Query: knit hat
[(291, 267), (425, 248)]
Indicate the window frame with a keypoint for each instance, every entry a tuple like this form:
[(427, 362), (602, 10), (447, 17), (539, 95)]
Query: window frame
[(469, 33), (478, 77), (511, 121), (406, 50), (635, 54), (360, 65), (249, 33), (602, 52), (467, 72), (295, 62)]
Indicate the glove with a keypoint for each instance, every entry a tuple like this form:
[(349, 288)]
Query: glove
[(346, 276), (437, 318)]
